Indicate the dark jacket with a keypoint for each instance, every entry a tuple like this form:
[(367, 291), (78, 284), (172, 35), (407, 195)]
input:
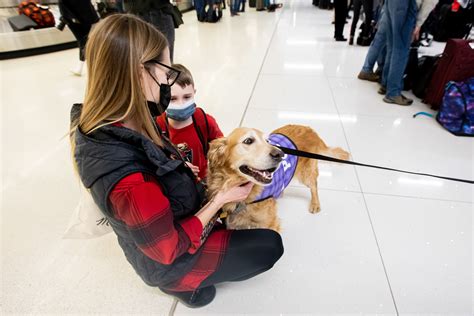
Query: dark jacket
[(78, 11), (109, 154), (145, 6)]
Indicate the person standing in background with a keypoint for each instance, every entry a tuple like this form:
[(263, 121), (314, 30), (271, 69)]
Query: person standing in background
[(368, 8), (79, 16), (157, 12), (403, 20), (377, 52), (340, 12)]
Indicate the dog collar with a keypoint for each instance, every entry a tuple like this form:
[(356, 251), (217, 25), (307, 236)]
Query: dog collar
[(239, 208)]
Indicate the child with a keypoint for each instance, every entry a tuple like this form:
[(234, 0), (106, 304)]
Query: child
[(188, 126)]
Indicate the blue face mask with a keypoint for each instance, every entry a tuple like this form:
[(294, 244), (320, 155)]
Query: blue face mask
[(181, 113)]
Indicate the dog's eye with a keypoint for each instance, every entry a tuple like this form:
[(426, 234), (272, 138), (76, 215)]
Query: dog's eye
[(248, 141)]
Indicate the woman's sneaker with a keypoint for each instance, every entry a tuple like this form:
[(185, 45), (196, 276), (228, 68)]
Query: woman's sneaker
[(196, 299)]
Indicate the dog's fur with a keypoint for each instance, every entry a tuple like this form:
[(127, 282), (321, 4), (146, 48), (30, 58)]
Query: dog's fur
[(227, 155)]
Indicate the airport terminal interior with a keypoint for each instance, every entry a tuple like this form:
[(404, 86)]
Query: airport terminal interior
[(384, 242)]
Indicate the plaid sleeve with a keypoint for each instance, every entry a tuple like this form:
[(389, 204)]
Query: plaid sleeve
[(140, 203)]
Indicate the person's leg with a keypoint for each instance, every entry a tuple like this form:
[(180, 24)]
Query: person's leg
[(355, 18), (80, 32), (368, 13), (388, 16), (199, 6), (250, 252), (236, 6), (340, 11), (381, 58), (378, 45), (403, 18)]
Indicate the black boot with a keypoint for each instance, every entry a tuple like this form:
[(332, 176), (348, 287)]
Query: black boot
[(198, 298)]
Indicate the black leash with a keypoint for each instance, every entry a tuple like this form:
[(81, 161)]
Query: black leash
[(305, 154)]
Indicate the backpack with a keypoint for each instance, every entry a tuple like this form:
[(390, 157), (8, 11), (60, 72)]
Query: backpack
[(426, 67), (457, 110), (38, 13), (366, 35), (449, 21)]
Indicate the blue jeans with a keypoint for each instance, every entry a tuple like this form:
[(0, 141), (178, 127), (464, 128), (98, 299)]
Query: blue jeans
[(378, 48), (400, 22), (235, 6)]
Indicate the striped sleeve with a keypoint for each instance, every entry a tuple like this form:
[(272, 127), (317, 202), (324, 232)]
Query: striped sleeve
[(140, 203)]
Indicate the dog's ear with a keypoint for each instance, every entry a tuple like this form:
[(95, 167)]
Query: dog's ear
[(217, 152)]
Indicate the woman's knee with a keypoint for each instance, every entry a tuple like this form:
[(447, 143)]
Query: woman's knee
[(271, 246)]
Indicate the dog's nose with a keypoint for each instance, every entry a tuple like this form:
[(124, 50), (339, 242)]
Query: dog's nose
[(277, 154)]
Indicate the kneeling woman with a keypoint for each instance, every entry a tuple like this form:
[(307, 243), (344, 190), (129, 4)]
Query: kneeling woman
[(140, 181)]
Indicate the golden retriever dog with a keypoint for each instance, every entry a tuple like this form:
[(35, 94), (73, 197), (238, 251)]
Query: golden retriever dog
[(246, 155)]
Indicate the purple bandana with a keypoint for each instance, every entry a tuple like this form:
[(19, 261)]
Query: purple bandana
[(283, 175)]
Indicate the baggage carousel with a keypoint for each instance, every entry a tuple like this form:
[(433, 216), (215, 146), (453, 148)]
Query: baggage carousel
[(39, 41)]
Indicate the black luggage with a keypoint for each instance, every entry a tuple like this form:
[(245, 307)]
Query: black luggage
[(426, 68), (411, 69), (444, 23)]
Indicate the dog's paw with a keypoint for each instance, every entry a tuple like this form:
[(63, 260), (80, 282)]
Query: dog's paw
[(314, 208)]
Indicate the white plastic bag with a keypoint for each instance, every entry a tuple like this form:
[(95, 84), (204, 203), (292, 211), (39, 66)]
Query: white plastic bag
[(87, 220)]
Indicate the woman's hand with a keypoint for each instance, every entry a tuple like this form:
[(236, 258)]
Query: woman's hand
[(234, 194)]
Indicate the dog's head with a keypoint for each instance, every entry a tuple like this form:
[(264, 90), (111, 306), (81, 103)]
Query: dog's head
[(246, 153)]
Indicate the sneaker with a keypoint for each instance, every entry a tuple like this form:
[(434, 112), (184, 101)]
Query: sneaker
[(196, 299), (382, 90), (399, 99), (369, 76), (341, 39)]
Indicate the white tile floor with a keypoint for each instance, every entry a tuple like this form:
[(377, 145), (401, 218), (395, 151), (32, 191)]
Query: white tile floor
[(384, 243)]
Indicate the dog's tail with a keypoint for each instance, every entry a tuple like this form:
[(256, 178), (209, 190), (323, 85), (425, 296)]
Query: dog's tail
[(336, 152)]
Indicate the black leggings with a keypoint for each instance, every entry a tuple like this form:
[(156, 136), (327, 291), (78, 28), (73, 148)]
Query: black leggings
[(368, 8), (250, 252), (340, 15), (80, 31)]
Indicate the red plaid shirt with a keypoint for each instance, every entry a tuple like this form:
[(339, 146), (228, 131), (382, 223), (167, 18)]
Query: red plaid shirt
[(139, 202)]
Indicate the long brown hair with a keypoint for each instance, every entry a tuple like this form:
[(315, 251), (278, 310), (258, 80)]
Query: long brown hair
[(116, 50)]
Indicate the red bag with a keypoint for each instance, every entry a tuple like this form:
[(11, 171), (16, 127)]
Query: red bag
[(38, 13), (456, 64)]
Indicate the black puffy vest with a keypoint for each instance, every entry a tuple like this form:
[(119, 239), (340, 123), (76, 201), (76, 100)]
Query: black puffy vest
[(109, 154)]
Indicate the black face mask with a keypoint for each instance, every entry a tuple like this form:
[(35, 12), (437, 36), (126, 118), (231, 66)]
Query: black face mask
[(165, 96), (155, 108), (165, 99)]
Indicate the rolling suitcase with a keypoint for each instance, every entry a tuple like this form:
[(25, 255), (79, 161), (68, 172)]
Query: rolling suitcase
[(456, 64)]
